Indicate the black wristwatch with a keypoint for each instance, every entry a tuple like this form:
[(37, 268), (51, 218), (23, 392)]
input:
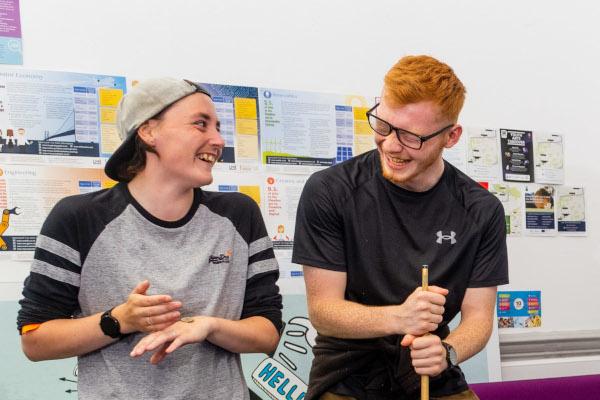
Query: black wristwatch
[(451, 357), (110, 325)]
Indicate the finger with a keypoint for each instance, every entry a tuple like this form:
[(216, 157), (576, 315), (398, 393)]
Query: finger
[(407, 340), (175, 344), (148, 301), (429, 371), (428, 342), (162, 308), (433, 298), (173, 316), (160, 339), (141, 287), (436, 309), (160, 327), (159, 355), (140, 348), (438, 290)]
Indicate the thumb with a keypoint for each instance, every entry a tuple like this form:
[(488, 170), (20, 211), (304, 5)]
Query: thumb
[(407, 340), (141, 287)]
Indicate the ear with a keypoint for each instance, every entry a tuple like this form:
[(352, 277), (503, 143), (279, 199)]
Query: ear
[(147, 133), (454, 136)]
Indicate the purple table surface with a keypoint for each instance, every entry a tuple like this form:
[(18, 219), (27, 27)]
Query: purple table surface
[(565, 388)]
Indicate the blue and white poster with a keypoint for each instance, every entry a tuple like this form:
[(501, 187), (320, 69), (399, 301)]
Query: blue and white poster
[(58, 117)]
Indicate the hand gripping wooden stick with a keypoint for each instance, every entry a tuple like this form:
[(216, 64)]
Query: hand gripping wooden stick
[(425, 378)]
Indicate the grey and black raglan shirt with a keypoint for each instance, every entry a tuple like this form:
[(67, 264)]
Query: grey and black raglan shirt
[(218, 260)]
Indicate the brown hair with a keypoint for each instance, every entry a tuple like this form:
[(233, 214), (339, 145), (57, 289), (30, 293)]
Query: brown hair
[(128, 170), (423, 78)]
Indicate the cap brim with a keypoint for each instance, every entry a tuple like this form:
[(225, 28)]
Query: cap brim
[(123, 154)]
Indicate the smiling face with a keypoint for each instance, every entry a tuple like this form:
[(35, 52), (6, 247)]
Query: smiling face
[(187, 142), (415, 170)]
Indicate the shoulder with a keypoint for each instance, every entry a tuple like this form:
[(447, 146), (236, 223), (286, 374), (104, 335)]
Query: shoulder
[(237, 207), (471, 195), (344, 179)]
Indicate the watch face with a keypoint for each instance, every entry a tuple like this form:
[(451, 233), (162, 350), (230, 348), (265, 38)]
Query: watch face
[(110, 326), (451, 356)]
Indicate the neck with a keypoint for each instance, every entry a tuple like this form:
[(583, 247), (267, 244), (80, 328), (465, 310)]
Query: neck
[(163, 199)]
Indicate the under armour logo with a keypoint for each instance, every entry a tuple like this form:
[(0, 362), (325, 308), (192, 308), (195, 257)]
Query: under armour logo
[(441, 237)]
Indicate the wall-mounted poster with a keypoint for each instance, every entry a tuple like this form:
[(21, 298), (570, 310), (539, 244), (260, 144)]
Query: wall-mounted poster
[(483, 153), (11, 45), (511, 197), (548, 158), (540, 218), (28, 193), (570, 211), (237, 110), (519, 309), (517, 155), (304, 131), (58, 117)]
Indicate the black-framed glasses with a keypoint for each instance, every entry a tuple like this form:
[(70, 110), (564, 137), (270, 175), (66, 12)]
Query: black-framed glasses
[(408, 139)]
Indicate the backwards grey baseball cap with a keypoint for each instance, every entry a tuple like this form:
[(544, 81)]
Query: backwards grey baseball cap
[(146, 100)]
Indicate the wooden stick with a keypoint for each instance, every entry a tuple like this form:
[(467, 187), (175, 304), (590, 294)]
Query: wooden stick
[(425, 378)]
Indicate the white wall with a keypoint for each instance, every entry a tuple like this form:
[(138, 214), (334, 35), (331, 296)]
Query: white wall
[(526, 65)]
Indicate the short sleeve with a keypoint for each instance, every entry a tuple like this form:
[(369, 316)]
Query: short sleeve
[(319, 234), (491, 261)]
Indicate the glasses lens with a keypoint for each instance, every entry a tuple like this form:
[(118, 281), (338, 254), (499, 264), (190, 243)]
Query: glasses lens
[(379, 126), (409, 140)]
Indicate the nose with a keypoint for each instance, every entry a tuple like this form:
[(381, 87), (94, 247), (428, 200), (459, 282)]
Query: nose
[(216, 139)]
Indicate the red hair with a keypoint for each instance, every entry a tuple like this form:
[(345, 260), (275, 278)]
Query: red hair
[(423, 78)]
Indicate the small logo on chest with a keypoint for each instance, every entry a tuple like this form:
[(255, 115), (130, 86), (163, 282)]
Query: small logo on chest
[(441, 237), (221, 258)]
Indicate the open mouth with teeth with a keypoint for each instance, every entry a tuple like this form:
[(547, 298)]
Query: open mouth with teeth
[(397, 162), (207, 157)]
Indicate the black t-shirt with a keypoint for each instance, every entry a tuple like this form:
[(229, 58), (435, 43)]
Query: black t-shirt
[(351, 219)]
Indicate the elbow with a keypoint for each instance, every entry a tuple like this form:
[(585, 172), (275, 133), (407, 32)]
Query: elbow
[(271, 344), (30, 350)]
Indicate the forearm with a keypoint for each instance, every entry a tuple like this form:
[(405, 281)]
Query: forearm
[(470, 337), (349, 320), (249, 335), (63, 338)]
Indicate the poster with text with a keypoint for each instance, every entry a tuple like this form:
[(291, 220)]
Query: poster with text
[(28, 193), (548, 157), (282, 193), (483, 152), (247, 183), (540, 213), (571, 211), (519, 309), (11, 44), (511, 197), (517, 155), (303, 131), (58, 117), (237, 110)]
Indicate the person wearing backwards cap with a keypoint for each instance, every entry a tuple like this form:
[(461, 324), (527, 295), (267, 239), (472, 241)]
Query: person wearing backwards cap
[(133, 273)]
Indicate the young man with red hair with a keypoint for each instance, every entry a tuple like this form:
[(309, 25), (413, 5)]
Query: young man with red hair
[(366, 226)]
